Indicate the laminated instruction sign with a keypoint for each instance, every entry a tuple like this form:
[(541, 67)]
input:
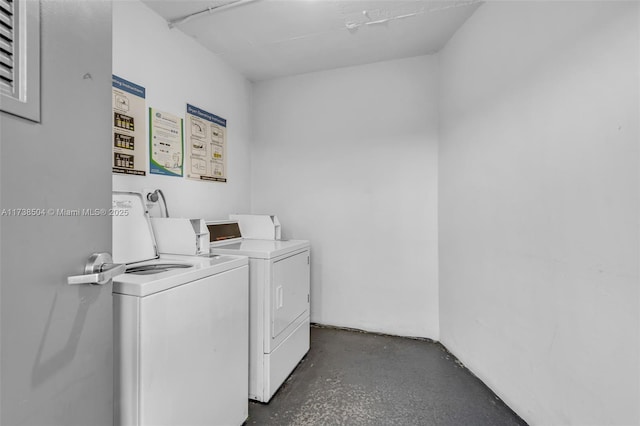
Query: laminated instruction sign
[(129, 144), (165, 143), (206, 139)]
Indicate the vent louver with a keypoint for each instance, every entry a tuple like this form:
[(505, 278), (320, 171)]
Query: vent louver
[(7, 47), (20, 58)]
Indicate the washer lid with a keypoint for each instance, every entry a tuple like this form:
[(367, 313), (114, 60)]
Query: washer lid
[(132, 236), (198, 267)]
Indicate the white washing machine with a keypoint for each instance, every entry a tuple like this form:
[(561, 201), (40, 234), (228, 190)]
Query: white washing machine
[(279, 321), (181, 330)]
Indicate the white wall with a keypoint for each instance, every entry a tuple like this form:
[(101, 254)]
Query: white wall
[(347, 158), (174, 70), (538, 207)]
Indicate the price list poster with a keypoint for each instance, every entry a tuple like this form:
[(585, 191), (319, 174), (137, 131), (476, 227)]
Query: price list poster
[(206, 140), (129, 142)]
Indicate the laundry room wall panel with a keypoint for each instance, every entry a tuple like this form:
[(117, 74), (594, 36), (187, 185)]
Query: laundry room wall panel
[(347, 158), (175, 69), (539, 207)]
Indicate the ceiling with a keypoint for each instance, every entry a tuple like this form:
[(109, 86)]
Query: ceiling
[(265, 39)]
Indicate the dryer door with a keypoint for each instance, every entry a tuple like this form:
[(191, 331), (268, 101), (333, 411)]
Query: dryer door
[(289, 295)]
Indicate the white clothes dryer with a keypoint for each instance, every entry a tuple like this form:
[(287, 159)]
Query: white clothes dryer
[(279, 320)]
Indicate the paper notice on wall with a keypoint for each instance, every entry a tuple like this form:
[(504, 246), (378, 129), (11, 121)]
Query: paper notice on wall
[(128, 127), (165, 143), (206, 140)]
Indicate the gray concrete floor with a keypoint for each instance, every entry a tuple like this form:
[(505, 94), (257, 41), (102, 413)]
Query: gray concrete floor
[(355, 378)]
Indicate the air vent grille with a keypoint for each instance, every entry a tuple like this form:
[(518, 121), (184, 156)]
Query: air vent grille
[(7, 47)]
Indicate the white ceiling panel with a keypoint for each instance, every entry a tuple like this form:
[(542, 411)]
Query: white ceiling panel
[(266, 39)]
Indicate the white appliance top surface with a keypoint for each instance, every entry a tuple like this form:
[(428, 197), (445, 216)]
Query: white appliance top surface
[(261, 249), (199, 267)]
